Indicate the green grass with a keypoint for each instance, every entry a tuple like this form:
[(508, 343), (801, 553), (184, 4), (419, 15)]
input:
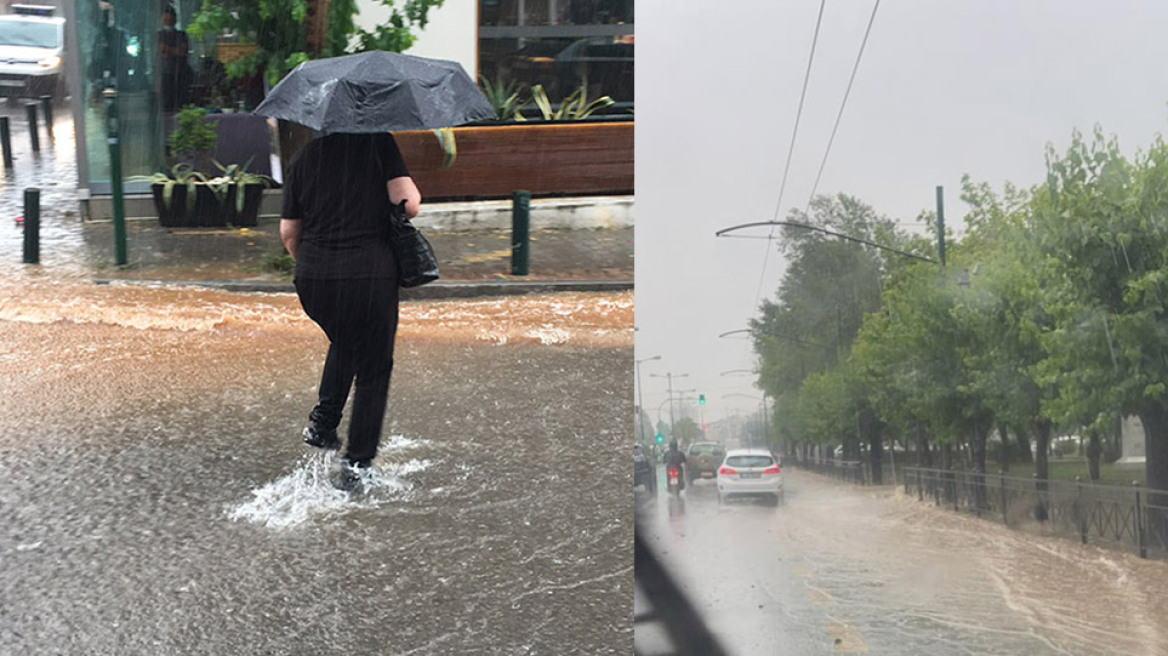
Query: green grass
[(1109, 474)]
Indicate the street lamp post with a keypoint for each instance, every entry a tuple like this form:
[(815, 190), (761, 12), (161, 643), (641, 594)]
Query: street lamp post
[(669, 377), (762, 401), (725, 232), (641, 395)]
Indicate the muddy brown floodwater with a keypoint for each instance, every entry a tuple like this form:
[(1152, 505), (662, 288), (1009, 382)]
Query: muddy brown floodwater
[(841, 569), (155, 496)]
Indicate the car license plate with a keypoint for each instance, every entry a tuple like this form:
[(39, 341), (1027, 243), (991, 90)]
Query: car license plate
[(11, 83), (707, 475), (751, 475)]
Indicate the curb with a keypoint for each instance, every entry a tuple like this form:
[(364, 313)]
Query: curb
[(434, 291)]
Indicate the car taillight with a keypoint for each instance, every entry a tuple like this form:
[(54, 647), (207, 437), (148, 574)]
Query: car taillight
[(771, 470), (727, 471)]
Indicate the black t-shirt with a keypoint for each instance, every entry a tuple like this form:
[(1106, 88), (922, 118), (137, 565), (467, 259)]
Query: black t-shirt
[(336, 187), (177, 44)]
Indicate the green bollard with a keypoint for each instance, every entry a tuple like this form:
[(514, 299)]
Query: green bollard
[(115, 154), (34, 134), (47, 108), (32, 226), (6, 142), (520, 232)]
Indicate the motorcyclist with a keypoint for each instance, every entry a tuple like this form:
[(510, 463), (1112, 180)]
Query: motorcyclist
[(675, 458)]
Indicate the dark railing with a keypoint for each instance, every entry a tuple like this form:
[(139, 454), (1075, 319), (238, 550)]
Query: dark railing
[(1133, 518), (850, 471)]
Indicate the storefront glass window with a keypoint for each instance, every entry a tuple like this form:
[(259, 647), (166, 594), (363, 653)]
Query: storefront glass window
[(154, 61), (561, 44)]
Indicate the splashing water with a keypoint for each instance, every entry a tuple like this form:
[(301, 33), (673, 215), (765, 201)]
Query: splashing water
[(307, 491)]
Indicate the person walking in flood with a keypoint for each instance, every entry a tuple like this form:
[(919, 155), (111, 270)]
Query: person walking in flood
[(338, 195)]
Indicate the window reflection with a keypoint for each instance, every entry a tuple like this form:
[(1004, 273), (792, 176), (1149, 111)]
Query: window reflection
[(560, 44)]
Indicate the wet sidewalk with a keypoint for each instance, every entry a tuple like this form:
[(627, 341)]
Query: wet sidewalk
[(472, 260), (256, 255)]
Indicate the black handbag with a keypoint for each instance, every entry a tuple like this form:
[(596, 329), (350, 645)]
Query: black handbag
[(416, 263)]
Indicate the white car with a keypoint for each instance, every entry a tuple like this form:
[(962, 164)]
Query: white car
[(31, 48), (750, 472)]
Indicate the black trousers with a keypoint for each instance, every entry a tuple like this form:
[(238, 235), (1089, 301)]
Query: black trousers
[(360, 319)]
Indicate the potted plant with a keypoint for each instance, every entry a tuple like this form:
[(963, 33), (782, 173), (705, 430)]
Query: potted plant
[(181, 196), (193, 138), (239, 194), (185, 197)]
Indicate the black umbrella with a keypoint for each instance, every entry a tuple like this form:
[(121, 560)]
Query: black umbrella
[(377, 92)]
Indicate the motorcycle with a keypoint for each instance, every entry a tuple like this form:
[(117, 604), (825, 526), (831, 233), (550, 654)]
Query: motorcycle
[(673, 480)]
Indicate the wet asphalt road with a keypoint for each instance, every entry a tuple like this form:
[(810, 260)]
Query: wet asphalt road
[(149, 501), (839, 569)]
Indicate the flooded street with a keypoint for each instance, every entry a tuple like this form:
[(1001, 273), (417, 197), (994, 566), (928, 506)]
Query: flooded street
[(840, 569), (53, 171), (157, 497)]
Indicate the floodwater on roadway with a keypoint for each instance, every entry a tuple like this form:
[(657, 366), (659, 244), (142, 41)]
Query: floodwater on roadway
[(156, 497), (840, 569)]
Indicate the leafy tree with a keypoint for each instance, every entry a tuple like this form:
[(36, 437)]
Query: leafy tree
[(397, 35), (1003, 305), (279, 30), (686, 431), (829, 286), (1101, 222)]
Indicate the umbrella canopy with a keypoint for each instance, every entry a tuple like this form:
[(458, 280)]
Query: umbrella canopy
[(375, 92)]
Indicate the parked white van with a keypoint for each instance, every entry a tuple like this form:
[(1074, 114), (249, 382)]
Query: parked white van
[(32, 49)]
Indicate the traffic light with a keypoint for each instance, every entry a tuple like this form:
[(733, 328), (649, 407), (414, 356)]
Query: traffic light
[(660, 438), (701, 399)]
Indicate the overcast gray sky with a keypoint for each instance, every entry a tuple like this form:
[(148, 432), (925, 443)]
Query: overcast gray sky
[(944, 88)]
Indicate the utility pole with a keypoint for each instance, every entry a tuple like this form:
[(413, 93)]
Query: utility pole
[(941, 224), (641, 396), (669, 377), (672, 416), (766, 428)]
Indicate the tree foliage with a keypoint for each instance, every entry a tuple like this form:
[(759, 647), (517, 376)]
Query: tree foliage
[(280, 32), (1052, 313)]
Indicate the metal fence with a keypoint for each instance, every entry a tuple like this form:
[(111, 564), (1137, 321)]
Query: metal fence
[(850, 471), (1133, 518)]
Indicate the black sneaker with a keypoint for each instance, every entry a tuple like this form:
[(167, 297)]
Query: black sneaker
[(321, 439), (347, 476)]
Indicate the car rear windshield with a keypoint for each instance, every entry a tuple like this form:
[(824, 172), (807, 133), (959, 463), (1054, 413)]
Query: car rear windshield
[(24, 33), (750, 461), (699, 449)]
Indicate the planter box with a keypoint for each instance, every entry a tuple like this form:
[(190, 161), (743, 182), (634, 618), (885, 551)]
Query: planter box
[(229, 52), (204, 213), (547, 159), (253, 196), (207, 211)]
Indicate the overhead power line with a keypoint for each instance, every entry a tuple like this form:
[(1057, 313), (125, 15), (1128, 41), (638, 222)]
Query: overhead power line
[(791, 148), (843, 104)]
